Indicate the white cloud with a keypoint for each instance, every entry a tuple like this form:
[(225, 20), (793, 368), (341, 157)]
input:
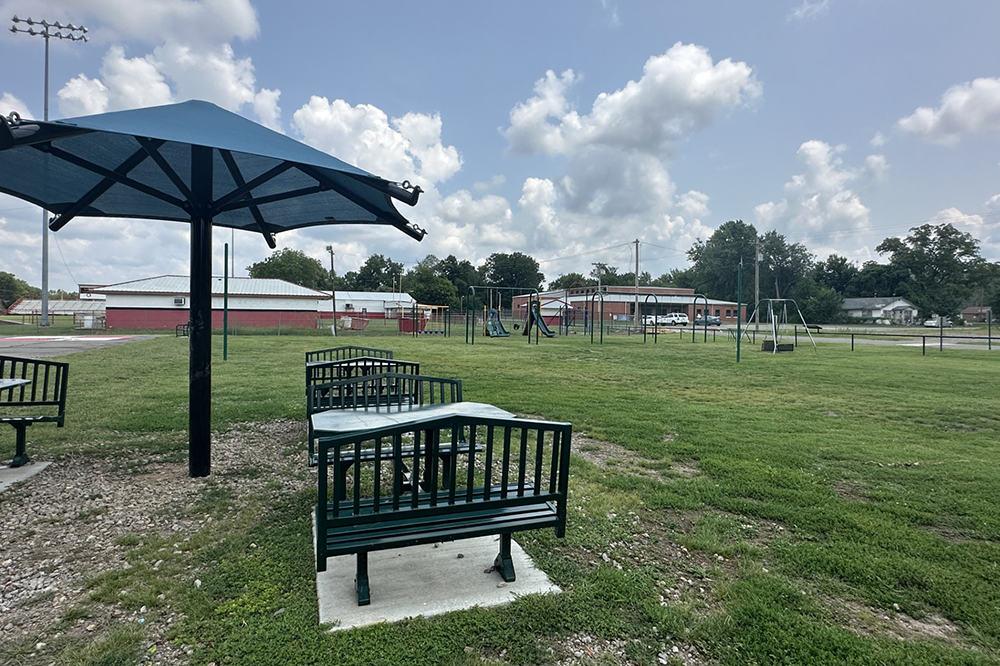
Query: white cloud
[(407, 148), (211, 73), (819, 201), (968, 108), (126, 83), (265, 105), (155, 21), (992, 205), (493, 183), (809, 10), (878, 140), (10, 103), (679, 93)]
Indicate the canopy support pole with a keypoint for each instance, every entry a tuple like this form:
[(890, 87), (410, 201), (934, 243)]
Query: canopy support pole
[(200, 322)]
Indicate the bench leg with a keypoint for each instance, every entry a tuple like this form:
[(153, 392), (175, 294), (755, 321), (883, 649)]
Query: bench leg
[(504, 563), (361, 581), (20, 454)]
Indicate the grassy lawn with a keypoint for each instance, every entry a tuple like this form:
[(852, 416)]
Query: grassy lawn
[(811, 508)]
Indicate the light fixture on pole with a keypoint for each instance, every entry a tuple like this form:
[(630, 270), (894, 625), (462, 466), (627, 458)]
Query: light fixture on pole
[(333, 288), (73, 33)]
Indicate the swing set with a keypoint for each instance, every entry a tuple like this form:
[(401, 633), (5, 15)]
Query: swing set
[(492, 321), (777, 315)]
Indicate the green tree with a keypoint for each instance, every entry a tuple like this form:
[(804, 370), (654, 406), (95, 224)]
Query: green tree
[(835, 272), (426, 283), (513, 270), (462, 274), (678, 277), (818, 302), (12, 288), (292, 266), (941, 262), (376, 274), (570, 280), (783, 264), (714, 261)]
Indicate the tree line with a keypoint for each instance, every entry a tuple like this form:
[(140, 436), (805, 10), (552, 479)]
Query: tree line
[(936, 267)]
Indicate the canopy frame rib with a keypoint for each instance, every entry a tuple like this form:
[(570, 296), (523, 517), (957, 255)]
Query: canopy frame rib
[(246, 188), (152, 147), (122, 170), (271, 198), (140, 156), (400, 222), (234, 171)]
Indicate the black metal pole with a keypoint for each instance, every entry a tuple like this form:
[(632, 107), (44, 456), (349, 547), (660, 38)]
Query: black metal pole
[(852, 342), (200, 322), (923, 344)]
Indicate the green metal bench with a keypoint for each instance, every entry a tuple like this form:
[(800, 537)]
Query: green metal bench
[(378, 392), (350, 351), (513, 476), (326, 372), (31, 391)]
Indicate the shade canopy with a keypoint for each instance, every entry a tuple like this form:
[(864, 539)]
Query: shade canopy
[(137, 164), (191, 162)]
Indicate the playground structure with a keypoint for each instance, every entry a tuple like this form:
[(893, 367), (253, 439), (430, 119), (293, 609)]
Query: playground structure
[(777, 320), (426, 320), (492, 323), (535, 319)]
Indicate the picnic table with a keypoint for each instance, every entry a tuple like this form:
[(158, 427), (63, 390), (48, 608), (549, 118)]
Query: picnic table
[(11, 382), (31, 391)]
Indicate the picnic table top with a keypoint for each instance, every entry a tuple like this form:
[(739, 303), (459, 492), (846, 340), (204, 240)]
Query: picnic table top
[(339, 421), (11, 382)]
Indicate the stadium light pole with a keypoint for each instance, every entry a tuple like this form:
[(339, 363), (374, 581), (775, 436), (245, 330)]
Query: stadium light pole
[(74, 33)]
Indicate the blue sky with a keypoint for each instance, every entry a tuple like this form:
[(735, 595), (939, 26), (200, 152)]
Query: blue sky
[(564, 130)]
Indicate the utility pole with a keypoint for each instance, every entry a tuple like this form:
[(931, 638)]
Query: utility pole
[(74, 33), (756, 284), (636, 281), (333, 288)]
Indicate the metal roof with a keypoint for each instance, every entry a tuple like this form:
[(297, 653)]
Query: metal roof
[(28, 306), (871, 303), (238, 286), (386, 296)]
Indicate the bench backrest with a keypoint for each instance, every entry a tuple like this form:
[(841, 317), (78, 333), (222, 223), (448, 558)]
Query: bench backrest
[(340, 353), (326, 372), (46, 385), (492, 463), (382, 391)]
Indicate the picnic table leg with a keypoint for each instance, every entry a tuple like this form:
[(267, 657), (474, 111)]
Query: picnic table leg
[(504, 563), (361, 580), (20, 454), (342, 488)]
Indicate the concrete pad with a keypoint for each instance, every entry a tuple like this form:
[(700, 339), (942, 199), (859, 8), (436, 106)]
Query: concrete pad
[(424, 580), (11, 475)]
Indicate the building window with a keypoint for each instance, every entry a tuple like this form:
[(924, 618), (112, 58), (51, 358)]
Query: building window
[(698, 313), (716, 312), (729, 313)]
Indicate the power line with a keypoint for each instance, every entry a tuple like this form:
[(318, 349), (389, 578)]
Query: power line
[(572, 256)]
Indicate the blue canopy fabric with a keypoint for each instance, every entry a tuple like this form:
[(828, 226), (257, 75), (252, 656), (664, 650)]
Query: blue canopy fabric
[(137, 164), (191, 162)]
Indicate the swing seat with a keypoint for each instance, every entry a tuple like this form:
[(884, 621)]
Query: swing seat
[(768, 346)]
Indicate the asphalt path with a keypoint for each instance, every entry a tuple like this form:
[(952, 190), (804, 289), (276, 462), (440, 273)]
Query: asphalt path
[(46, 346)]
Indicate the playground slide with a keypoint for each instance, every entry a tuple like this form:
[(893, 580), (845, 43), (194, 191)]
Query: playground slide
[(534, 319), (495, 327)]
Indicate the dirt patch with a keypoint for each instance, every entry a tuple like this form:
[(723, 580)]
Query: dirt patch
[(67, 524), (586, 650), (894, 623), (851, 490), (615, 457)]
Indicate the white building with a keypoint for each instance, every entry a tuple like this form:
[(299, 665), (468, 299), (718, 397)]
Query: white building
[(884, 309), (368, 304)]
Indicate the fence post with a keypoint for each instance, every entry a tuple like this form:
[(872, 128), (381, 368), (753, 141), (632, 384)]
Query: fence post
[(796, 335), (923, 343), (852, 342)]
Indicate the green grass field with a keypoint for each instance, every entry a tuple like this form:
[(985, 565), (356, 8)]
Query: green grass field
[(830, 508)]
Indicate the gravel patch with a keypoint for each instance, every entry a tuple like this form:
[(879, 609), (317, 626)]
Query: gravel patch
[(65, 525)]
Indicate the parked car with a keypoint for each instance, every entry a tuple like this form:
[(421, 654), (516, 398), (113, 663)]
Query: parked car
[(708, 320), (936, 322), (673, 319), (649, 320)]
